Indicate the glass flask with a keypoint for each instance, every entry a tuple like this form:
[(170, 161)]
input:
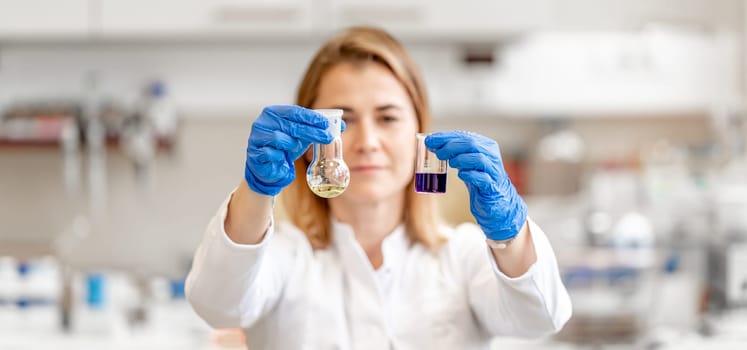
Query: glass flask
[(328, 175)]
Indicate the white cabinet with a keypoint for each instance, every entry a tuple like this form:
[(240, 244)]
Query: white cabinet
[(483, 18), (444, 19), (634, 15), (494, 19), (399, 17), (432, 20), (184, 18), (43, 18)]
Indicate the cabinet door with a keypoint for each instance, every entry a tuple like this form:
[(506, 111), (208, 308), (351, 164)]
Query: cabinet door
[(203, 17), (444, 19), (43, 18), (398, 17), (635, 15), (493, 18)]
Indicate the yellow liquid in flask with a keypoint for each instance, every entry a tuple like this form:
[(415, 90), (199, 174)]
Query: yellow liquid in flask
[(328, 191)]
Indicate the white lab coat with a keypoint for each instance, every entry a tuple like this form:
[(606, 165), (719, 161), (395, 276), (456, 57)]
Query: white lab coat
[(285, 295)]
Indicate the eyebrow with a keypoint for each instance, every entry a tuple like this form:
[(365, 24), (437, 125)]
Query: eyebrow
[(387, 106), (345, 109), (378, 108)]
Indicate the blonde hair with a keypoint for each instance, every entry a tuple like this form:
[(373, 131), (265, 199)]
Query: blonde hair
[(360, 45)]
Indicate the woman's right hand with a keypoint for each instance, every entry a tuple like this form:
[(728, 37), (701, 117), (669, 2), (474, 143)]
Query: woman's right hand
[(279, 136)]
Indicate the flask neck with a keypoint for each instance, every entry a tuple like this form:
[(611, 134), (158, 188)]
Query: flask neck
[(329, 151)]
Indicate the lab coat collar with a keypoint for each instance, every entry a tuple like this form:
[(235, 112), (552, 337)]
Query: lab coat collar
[(394, 247)]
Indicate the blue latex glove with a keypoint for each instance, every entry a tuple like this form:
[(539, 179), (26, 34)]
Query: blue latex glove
[(279, 136), (494, 202)]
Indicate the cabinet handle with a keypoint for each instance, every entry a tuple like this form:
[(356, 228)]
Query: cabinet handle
[(249, 14)]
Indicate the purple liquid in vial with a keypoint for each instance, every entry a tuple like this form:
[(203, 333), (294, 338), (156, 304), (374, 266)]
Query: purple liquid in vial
[(430, 183)]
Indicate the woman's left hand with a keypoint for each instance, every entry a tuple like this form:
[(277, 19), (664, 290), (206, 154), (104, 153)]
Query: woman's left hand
[(494, 202)]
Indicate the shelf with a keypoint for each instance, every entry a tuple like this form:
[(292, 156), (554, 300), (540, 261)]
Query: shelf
[(5, 144), (471, 113)]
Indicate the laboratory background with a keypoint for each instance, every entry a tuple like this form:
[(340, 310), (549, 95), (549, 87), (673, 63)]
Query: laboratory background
[(623, 124)]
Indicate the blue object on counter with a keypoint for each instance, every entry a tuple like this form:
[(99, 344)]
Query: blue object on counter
[(578, 276), (157, 88), (672, 264), (96, 286), (584, 275), (177, 289), (23, 269)]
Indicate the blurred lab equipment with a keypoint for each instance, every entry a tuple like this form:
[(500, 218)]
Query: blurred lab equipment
[(727, 254), (611, 299), (160, 112), (560, 152), (152, 127), (614, 289), (37, 122), (95, 133), (627, 279), (46, 285)]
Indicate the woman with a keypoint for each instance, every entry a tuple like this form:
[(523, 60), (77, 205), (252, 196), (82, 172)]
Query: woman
[(372, 269)]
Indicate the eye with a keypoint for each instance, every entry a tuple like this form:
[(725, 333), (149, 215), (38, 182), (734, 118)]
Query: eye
[(389, 119), (348, 120)]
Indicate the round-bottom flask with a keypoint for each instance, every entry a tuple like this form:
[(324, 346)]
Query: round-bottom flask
[(328, 176)]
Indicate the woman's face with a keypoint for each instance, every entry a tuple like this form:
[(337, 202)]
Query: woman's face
[(379, 139)]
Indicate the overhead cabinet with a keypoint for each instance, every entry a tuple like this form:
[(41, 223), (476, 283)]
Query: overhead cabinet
[(203, 17), (33, 19)]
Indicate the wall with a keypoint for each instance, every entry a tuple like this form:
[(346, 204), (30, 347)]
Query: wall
[(564, 73), (205, 80)]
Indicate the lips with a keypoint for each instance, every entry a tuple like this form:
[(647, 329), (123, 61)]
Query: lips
[(364, 168)]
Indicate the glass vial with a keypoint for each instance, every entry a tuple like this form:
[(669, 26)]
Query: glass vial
[(430, 172), (328, 175)]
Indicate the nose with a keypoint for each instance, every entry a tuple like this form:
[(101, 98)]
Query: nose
[(366, 138)]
